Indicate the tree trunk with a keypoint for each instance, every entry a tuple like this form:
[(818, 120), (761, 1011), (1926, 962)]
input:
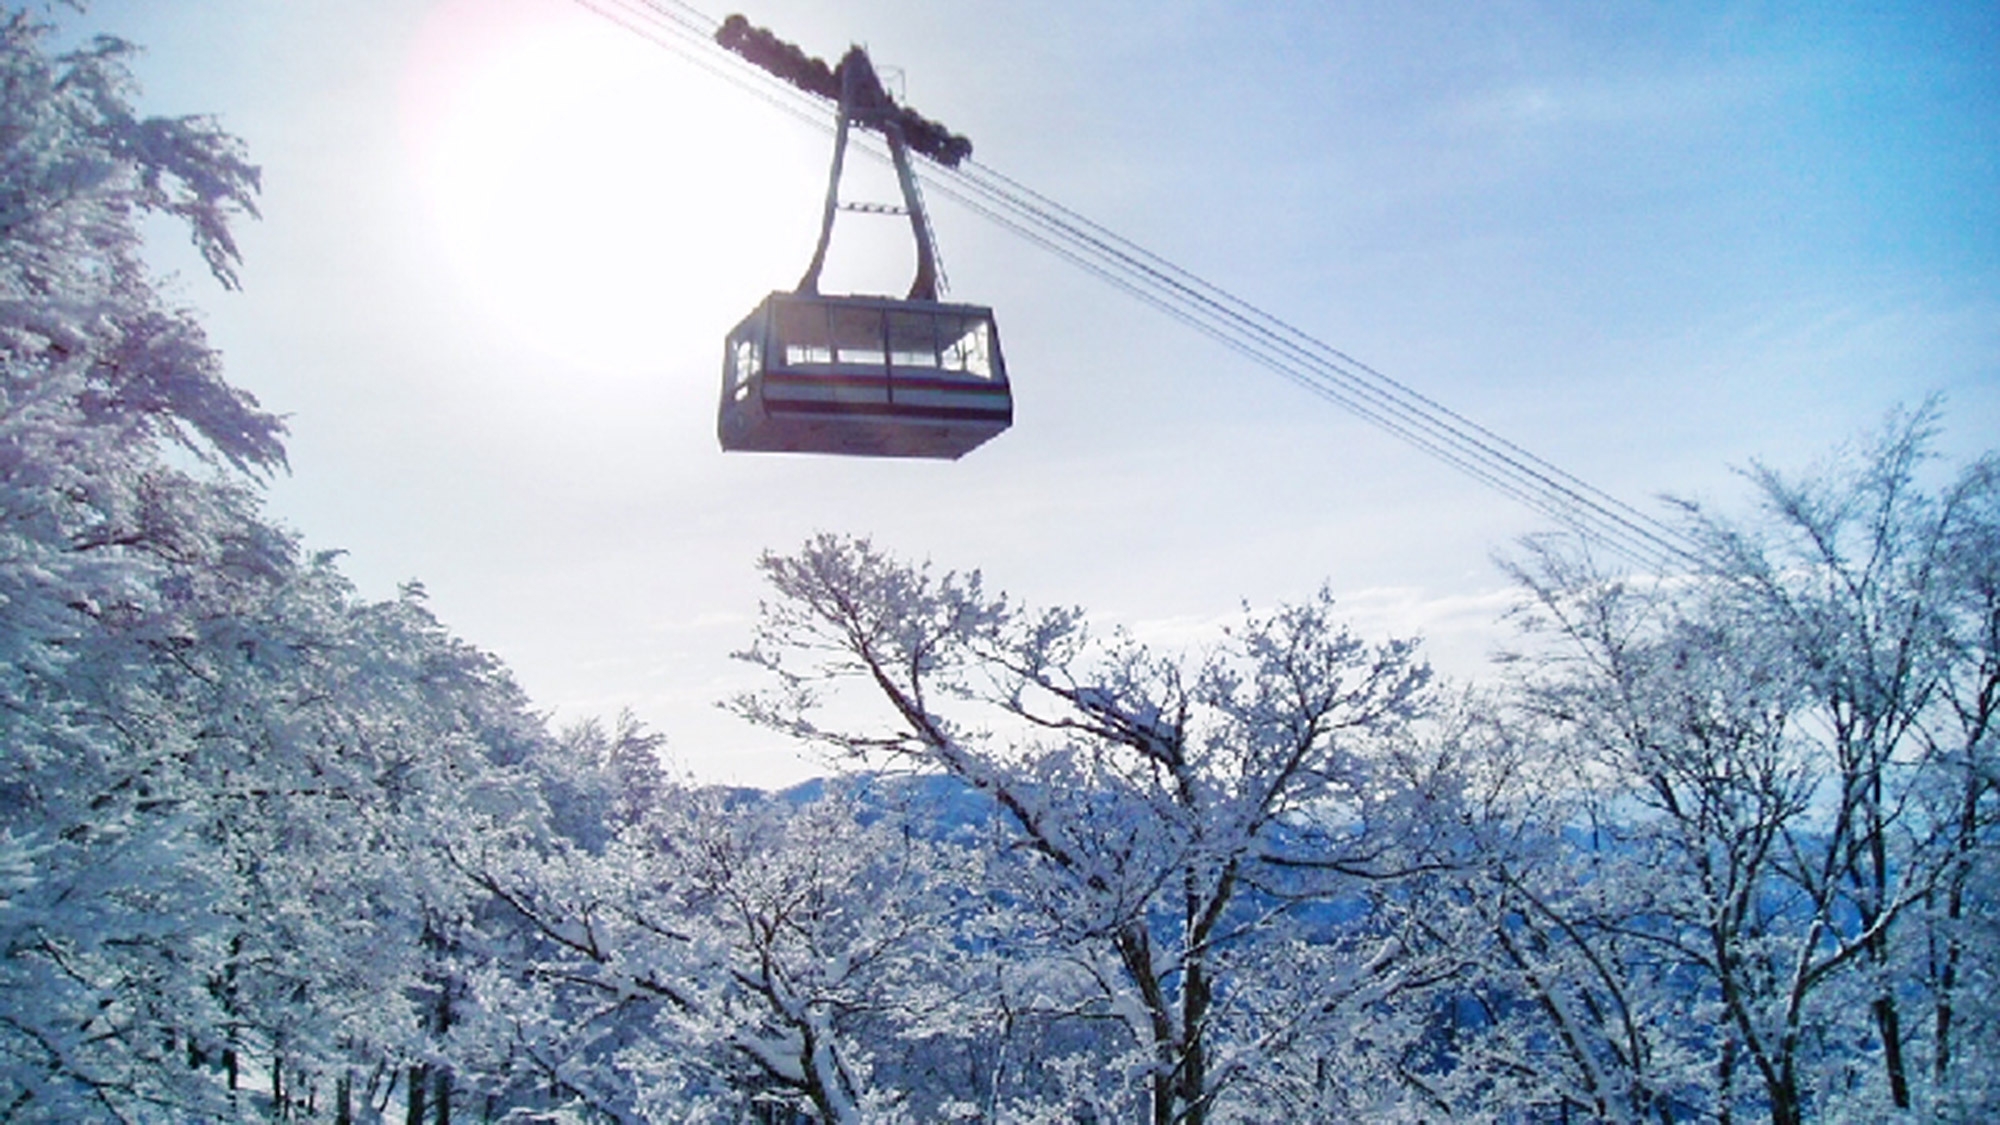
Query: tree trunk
[(1195, 994), (1888, 1021), (1889, 1025), (1725, 1078), (1947, 985), (419, 1085), (1784, 1095), (441, 1096), (1135, 951)]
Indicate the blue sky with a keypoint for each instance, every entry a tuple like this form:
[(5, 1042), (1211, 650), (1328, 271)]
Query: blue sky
[(502, 241)]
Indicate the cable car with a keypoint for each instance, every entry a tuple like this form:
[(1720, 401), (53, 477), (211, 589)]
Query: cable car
[(862, 375)]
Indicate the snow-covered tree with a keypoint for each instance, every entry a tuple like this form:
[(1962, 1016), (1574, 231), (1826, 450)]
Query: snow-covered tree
[(1758, 891), (828, 939), (224, 777), (1175, 821), (110, 559), (731, 952)]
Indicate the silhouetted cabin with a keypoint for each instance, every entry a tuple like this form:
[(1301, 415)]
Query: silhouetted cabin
[(872, 376)]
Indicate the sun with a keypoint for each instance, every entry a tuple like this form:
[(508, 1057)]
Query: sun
[(584, 192)]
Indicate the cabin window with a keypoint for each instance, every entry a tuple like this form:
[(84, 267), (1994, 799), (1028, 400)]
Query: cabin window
[(913, 340), (857, 336), (747, 361), (801, 330), (968, 346)]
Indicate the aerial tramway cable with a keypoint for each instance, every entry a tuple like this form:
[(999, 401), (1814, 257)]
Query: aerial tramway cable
[(1243, 327), (1290, 352)]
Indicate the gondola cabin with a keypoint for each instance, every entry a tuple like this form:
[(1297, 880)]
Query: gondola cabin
[(862, 375), (869, 376)]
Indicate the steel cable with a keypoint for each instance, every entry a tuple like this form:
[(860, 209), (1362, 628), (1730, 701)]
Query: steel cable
[(1291, 353)]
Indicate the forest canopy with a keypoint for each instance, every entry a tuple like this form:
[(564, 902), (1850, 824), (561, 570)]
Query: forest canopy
[(1717, 844)]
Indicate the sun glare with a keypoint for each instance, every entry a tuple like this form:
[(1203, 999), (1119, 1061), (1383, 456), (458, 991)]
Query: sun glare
[(586, 192)]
